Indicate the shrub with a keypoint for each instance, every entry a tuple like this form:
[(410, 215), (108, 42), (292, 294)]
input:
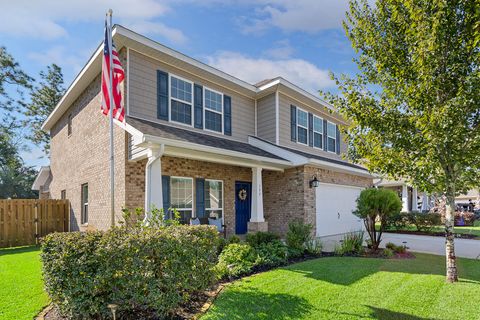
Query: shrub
[(394, 248), (397, 221), (476, 223), (424, 222), (222, 242), (388, 253), (352, 244), (235, 260), (143, 271), (271, 254), (377, 204), (258, 238), (298, 234), (314, 247), (468, 218)]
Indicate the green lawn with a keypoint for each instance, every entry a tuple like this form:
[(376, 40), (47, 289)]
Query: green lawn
[(21, 285), (354, 288), (463, 230)]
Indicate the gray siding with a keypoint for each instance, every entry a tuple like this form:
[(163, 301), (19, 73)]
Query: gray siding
[(266, 118), (143, 96), (285, 138)]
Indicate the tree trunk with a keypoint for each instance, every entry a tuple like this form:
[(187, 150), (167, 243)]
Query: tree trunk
[(452, 275)]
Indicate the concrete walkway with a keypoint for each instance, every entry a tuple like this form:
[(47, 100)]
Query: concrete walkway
[(465, 248)]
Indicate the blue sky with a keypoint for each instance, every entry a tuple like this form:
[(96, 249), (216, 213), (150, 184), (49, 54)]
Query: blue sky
[(301, 40)]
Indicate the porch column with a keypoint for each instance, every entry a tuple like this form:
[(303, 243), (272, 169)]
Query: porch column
[(404, 198), (414, 199), (153, 181), (257, 221)]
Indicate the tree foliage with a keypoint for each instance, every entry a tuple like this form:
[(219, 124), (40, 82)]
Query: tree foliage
[(377, 205), (44, 98), (414, 106)]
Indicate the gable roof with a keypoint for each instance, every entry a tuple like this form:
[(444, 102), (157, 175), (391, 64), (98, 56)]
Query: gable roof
[(124, 37)]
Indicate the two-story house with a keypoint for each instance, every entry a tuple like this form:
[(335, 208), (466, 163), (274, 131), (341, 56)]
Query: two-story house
[(204, 142)]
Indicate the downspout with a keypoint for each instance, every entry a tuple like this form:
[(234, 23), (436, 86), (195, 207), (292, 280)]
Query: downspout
[(277, 117), (256, 118), (153, 155)]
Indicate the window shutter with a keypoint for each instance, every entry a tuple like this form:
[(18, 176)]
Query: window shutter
[(310, 129), (227, 115), (198, 101), (337, 140), (162, 95), (166, 195), (325, 137), (293, 123), (200, 197)]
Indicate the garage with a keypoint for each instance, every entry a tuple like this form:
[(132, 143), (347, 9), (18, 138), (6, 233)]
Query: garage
[(334, 206)]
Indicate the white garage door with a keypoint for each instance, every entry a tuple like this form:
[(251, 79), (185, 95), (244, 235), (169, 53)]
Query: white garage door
[(335, 204)]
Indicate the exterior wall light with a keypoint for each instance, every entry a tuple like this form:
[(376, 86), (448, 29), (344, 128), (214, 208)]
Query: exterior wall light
[(314, 183)]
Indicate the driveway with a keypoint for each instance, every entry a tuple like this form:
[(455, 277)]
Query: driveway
[(465, 248)]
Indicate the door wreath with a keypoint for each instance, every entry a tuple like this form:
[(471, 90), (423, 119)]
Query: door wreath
[(242, 194)]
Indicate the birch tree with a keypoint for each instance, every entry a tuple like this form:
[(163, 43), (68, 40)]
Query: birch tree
[(414, 105)]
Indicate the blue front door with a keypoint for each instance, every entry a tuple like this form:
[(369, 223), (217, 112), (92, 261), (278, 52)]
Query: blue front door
[(243, 192)]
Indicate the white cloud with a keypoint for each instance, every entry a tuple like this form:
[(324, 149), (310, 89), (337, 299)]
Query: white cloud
[(143, 27), (45, 19), (63, 57), (294, 15), (298, 71), (282, 50)]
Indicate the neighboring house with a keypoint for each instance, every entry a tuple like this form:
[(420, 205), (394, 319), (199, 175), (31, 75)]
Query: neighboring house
[(204, 142)]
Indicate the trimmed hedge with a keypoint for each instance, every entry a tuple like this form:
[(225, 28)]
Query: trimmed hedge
[(144, 271)]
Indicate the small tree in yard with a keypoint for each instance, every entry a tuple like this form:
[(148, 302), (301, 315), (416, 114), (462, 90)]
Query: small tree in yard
[(377, 203), (415, 105)]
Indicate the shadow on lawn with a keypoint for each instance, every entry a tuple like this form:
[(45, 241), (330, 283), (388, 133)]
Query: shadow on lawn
[(348, 270), (379, 313), (10, 251), (254, 304)]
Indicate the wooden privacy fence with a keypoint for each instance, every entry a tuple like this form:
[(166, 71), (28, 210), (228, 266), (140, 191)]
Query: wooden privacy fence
[(24, 221)]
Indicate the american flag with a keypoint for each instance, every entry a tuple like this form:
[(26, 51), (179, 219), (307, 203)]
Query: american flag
[(118, 76)]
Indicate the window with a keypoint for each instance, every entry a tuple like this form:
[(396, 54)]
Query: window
[(302, 126), (213, 110), (63, 194), (84, 217), (69, 124), (332, 137), (214, 199), (317, 132), (181, 100), (181, 197)]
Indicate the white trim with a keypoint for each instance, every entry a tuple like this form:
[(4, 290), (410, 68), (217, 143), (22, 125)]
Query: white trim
[(341, 185), (214, 111), (128, 82), (170, 75), (256, 118), (335, 138), (223, 197), (277, 118), (314, 131), (298, 125), (41, 178)]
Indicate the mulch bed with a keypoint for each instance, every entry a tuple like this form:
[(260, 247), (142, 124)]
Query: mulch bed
[(434, 234)]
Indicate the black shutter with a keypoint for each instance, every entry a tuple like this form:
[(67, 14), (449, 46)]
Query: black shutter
[(325, 137), (166, 195), (310, 129), (293, 123), (162, 95), (227, 115), (198, 101), (337, 140), (200, 197)]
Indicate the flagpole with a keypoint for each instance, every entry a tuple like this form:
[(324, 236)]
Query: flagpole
[(110, 92)]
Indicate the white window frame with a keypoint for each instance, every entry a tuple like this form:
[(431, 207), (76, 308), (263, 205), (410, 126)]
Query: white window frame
[(223, 196), (334, 138), (84, 204), (210, 110), (193, 196), (298, 125), (181, 101), (315, 131)]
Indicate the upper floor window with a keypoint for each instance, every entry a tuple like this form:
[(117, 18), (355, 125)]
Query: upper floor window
[(332, 136), (302, 126), (181, 197), (213, 110), (181, 100), (317, 132), (84, 194)]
